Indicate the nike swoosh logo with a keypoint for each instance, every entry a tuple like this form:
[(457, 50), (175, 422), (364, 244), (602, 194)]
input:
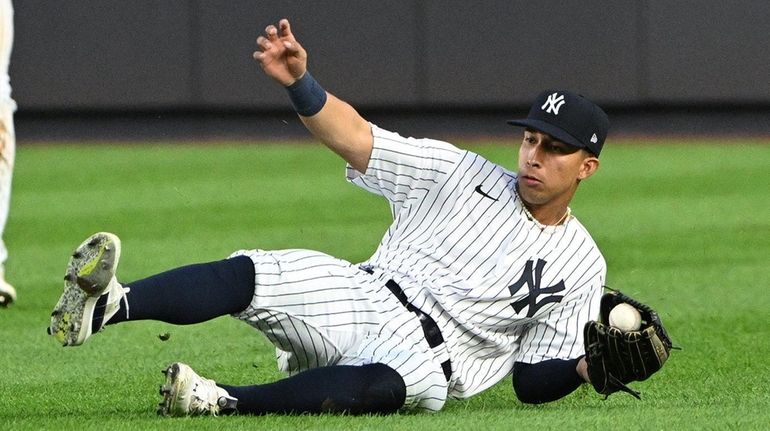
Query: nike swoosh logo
[(481, 192)]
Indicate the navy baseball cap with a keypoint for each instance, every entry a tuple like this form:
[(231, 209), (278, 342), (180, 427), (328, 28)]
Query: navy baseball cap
[(568, 117)]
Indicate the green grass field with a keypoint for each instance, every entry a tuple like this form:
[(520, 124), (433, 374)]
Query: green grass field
[(684, 226)]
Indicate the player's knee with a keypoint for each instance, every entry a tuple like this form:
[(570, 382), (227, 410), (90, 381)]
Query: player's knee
[(386, 389), (377, 389)]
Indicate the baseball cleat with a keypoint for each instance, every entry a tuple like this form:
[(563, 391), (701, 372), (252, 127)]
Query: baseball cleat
[(185, 393), (7, 292), (92, 294)]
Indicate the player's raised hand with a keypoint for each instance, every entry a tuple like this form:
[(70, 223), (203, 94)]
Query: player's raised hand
[(280, 55)]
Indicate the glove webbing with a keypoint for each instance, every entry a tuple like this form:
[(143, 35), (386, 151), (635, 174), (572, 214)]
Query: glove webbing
[(622, 386)]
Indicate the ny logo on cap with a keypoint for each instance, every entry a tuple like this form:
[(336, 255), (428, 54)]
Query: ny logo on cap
[(553, 103)]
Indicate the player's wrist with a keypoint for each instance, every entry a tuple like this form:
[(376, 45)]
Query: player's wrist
[(582, 369), (306, 95)]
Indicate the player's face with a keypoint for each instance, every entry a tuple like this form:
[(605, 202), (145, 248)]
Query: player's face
[(550, 170)]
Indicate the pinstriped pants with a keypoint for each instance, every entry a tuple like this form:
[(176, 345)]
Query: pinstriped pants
[(319, 311)]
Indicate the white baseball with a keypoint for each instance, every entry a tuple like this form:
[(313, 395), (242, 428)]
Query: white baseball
[(625, 317)]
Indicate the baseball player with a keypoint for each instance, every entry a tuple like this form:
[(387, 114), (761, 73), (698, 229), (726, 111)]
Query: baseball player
[(7, 140), (483, 273)]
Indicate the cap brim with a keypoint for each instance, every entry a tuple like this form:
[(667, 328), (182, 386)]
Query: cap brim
[(542, 126)]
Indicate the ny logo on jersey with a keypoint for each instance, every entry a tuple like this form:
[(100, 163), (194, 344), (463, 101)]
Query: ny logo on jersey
[(553, 103), (531, 277)]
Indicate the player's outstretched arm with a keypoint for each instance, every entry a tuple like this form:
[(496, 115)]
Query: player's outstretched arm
[(328, 118)]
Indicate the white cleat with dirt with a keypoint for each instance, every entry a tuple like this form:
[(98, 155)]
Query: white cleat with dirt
[(92, 294), (185, 393)]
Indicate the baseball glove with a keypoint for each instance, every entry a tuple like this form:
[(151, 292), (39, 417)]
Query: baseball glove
[(616, 358)]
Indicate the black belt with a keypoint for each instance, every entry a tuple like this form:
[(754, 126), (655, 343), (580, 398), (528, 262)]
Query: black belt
[(429, 327)]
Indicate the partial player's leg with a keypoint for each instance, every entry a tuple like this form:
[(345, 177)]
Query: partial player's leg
[(385, 374), (313, 307), (374, 388), (316, 309), (93, 297), (7, 141), (425, 384), (333, 322)]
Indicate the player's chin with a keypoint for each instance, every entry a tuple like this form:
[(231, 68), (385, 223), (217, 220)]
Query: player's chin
[(533, 194)]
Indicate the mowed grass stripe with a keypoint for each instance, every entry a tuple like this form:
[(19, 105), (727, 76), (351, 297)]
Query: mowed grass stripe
[(683, 226)]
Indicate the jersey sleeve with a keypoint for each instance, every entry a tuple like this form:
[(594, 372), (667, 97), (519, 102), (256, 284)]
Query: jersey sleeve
[(405, 169), (559, 333)]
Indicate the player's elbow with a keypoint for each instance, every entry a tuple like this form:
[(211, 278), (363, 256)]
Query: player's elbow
[(527, 394), (545, 381)]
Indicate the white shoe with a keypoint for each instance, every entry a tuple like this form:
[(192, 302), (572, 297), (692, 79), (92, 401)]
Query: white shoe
[(7, 293), (92, 294), (185, 393)]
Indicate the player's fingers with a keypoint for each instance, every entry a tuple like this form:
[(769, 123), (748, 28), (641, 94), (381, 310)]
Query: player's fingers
[(294, 49), (261, 58), (271, 32), (286, 29), (263, 43), (291, 47)]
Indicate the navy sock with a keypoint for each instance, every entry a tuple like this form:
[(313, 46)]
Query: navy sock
[(373, 388), (191, 294)]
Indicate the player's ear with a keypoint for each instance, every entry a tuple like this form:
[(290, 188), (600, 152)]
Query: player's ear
[(588, 166)]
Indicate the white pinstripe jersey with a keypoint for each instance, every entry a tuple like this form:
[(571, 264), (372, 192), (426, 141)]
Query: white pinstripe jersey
[(463, 248)]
